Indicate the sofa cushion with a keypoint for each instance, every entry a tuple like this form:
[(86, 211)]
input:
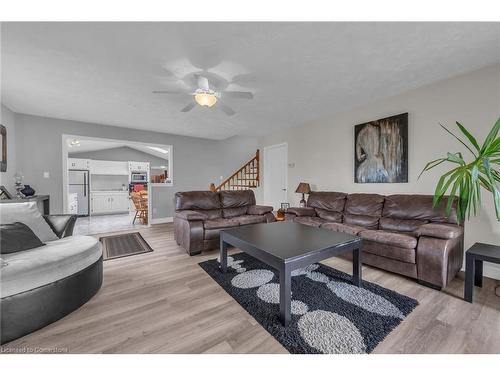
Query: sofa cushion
[(332, 216), (326, 200), (191, 215), (364, 204), (28, 214), (301, 211), (400, 254), (400, 225), (250, 219), (312, 221), (444, 231), (17, 237), (417, 207), (237, 198), (390, 238), (197, 200), (56, 260), (257, 209), (233, 212), (344, 228), (369, 222), (220, 223)]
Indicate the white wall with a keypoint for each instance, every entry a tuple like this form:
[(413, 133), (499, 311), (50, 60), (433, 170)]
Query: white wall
[(323, 152), (7, 120)]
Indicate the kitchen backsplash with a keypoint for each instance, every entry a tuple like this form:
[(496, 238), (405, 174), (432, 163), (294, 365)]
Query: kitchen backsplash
[(100, 182)]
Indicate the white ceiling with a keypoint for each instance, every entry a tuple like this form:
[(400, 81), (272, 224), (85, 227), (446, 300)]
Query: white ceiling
[(299, 72), (88, 145)]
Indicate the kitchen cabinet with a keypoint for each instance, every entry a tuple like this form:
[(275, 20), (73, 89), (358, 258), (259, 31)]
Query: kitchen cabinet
[(107, 202), (138, 166), (106, 167), (75, 163)]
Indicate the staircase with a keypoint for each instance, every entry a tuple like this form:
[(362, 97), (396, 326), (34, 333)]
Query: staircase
[(247, 177)]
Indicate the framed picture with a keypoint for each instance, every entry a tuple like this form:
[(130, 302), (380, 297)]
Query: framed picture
[(381, 150), (4, 194), (285, 206), (3, 151)]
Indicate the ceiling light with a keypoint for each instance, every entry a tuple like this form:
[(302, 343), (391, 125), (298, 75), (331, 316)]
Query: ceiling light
[(158, 149), (205, 99), (74, 143)]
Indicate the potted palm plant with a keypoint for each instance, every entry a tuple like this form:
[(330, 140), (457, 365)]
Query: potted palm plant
[(465, 180)]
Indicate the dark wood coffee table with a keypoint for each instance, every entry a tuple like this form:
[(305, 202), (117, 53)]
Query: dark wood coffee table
[(474, 258), (286, 246)]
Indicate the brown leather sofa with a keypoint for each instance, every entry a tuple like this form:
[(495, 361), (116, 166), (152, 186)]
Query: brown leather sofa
[(401, 233), (200, 216)]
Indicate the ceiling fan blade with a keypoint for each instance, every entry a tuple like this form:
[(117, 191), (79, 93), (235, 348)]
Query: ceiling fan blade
[(202, 82), (172, 92), (189, 107), (237, 94), (224, 108)]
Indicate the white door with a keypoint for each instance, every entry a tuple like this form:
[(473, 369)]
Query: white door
[(275, 175)]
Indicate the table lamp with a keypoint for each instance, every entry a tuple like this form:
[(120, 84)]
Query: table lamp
[(303, 188)]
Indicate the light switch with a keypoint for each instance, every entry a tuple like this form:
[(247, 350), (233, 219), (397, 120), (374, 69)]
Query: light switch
[(46, 175)]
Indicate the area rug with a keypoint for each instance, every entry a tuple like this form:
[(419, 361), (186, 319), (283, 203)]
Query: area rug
[(329, 314), (123, 245)]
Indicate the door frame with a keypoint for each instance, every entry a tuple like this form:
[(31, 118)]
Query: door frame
[(266, 150), (64, 157)]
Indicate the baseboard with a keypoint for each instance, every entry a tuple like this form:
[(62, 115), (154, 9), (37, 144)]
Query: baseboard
[(490, 270), (162, 220)]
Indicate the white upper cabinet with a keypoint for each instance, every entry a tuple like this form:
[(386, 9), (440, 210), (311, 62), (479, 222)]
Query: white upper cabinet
[(138, 166), (74, 163), (106, 167)]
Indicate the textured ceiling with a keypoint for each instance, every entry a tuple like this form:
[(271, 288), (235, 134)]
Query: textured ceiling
[(299, 72)]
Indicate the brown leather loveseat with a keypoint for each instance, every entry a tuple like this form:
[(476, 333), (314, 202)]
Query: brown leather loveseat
[(401, 233), (201, 215)]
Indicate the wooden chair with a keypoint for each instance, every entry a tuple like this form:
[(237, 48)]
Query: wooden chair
[(141, 207)]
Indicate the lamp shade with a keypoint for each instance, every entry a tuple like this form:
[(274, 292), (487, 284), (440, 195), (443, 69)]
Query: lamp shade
[(303, 188)]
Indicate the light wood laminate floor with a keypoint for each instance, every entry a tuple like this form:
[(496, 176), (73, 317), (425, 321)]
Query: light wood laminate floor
[(163, 302)]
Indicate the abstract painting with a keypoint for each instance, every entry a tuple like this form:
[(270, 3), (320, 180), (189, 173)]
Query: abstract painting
[(381, 150)]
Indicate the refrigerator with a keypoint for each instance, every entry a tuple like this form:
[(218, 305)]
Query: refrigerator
[(79, 184)]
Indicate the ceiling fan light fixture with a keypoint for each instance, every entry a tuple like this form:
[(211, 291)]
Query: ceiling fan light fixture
[(205, 99)]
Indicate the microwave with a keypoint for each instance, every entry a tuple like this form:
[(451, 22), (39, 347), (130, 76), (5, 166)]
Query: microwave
[(138, 177)]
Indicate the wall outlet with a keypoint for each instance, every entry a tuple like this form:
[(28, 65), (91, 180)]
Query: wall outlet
[(155, 210), (46, 175), (221, 178)]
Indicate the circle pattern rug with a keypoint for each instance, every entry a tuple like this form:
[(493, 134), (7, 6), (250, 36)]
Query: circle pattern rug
[(329, 314)]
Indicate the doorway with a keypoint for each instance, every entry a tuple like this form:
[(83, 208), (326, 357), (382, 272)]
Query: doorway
[(114, 185), (276, 175)]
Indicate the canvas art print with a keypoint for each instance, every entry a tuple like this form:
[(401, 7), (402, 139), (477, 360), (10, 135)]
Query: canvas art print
[(381, 150)]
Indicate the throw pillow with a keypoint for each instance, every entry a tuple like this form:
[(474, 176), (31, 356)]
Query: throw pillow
[(17, 237), (27, 213)]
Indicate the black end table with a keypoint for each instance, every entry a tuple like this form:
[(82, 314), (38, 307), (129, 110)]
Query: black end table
[(287, 246), (474, 258)]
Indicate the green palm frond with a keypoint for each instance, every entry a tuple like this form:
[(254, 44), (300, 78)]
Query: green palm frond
[(463, 183)]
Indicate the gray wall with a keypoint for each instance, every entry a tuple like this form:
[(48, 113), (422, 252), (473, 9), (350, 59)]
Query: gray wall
[(8, 120), (196, 161)]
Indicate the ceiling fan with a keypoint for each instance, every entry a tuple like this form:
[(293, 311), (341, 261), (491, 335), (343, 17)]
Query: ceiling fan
[(207, 97)]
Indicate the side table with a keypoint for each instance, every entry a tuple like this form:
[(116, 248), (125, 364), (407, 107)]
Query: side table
[(474, 258)]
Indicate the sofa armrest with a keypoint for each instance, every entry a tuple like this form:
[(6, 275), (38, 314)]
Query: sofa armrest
[(443, 231), (259, 210), (190, 215), (302, 211), (61, 225), (438, 260)]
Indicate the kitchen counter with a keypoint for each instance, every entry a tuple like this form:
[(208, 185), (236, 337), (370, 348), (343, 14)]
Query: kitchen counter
[(110, 191)]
